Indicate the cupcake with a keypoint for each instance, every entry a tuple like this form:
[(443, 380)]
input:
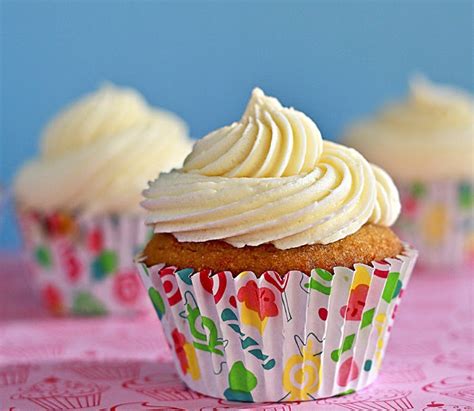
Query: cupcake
[(272, 266), (427, 144), (57, 394), (78, 200)]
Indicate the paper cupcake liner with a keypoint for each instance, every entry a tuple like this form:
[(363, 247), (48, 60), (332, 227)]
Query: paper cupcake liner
[(70, 396), (68, 403), (459, 387), (274, 338), (84, 265), (438, 219)]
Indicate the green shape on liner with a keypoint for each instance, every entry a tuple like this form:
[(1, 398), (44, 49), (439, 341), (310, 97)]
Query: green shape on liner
[(348, 341), (241, 379), (346, 345), (325, 275), (86, 304), (207, 339), (349, 391), (157, 301), (465, 196), (316, 285), (367, 318), (335, 355), (390, 286), (368, 365), (43, 256), (108, 261), (418, 190)]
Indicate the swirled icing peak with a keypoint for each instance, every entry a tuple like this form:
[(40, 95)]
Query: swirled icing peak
[(435, 121), (98, 154), (270, 178), (269, 141), (108, 111)]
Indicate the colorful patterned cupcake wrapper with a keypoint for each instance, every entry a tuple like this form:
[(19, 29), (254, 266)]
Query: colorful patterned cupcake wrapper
[(84, 265), (274, 338), (438, 219)]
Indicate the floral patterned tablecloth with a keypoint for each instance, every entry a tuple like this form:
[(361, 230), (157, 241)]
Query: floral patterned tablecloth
[(124, 364)]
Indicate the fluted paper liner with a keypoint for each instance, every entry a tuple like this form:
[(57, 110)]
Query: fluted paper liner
[(84, 265), (274, 338)]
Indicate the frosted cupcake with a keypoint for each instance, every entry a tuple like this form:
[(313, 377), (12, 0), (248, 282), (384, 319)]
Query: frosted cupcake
[(427, 144), (78, 200), (56, 394), (272, 266)]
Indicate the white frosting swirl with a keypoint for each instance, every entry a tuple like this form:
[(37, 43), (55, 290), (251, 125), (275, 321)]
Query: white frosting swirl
[(302, 191), (98, 154), (428, 136), (269, 141)]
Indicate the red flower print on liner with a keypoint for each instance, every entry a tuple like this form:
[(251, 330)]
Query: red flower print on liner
[(95, 240), (127, 287), (52, 299), (353, 310), (260, 300), (179, 340)]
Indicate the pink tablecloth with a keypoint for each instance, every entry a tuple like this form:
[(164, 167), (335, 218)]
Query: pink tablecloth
[(126, 365)]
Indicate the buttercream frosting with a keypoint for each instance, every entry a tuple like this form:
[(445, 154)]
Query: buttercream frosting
[(428, 136), (270, 178), (98, 154)]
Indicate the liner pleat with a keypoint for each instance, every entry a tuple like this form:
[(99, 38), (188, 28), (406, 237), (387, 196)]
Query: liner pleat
[(83, 264), (438, 219), (278, 338)]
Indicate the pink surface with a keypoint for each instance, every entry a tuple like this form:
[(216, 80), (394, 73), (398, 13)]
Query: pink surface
[(123, 363)]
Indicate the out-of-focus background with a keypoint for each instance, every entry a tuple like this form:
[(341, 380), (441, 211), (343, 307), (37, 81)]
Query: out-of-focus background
[(334, 60)]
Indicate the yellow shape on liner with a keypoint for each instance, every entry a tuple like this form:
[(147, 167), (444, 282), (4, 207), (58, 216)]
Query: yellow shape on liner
[(302, 374), (435, 224), (192, 361), (361, 276), (252, 318)]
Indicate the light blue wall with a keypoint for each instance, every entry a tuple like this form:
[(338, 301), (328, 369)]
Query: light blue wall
[(335, 60)]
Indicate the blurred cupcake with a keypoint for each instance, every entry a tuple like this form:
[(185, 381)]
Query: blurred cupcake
[(78, 200), (272, 267), (57, 394), (427, 144), (459, 387)]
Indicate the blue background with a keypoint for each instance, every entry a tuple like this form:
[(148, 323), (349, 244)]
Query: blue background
[(334, 60)]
